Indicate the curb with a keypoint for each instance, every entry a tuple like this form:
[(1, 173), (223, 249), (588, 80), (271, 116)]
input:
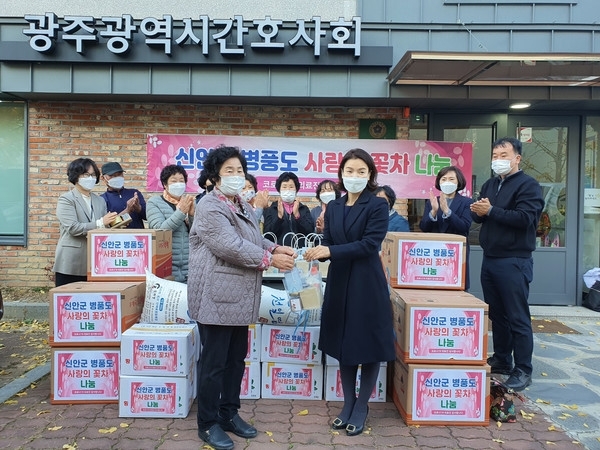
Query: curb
[(23, 311), (16, 386)]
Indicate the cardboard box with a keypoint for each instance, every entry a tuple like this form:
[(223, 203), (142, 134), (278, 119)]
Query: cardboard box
[(290, 344), (424, 260), (444, 327), (91, 313), (160, 349), (156, 396), (442, 394), (333, 384), (89, 375), (127, 254), (292, 381), (254, 339), (251, 381)]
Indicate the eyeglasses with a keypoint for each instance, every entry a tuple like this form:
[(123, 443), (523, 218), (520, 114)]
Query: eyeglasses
[(88, 175)]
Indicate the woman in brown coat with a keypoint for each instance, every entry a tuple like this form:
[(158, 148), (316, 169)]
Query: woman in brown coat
[(227, 257)]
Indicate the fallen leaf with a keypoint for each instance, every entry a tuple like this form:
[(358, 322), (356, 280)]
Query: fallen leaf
[(551, 428), (70, 446), (571, 407), (107, 430), (124, 425), (550, 443), (586, 425), (499, 441), (540, 326), (11, 402), (544, 374), (539, 400), (304, 412), (45, 411), (337, 433), (567, 414), (54, 428), (498, 424), (21, 394), (269, 433)]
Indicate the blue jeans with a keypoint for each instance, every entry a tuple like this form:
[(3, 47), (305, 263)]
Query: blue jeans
[(505, 283)]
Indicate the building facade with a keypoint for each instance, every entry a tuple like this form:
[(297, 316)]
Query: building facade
[(94, 80)]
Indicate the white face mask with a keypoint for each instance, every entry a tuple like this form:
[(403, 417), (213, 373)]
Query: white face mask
[(176, 189), (354, 185), (87, 183), (248, 195), (288, 196), (232, 185), (116, 182), (501, 166), (448, 188), (326, 197)]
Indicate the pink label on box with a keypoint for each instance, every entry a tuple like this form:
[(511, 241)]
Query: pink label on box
[(288, 345), (115, 254), (86, 375), (155, 398), (430, 263), (246, 382), (291, 382), (153, 356), (339, 392), (87, 316), (449, 394), (446, 333)]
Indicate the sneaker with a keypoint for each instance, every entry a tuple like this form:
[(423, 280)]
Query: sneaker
[(499, 367), (518, 380)]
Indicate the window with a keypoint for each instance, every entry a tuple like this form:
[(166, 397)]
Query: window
[(13, 174)]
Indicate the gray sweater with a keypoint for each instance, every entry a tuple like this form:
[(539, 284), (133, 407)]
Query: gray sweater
[(162, 216)]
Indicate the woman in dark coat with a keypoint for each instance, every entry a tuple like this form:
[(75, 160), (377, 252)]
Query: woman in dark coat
[(356, 320)]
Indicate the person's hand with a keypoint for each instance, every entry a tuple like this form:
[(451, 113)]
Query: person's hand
[(296, 209), (481, 207), (285, 250), (434, 203), (320, 224), (282, 261), (280, 209), (318, 252), (444, 204), (133, 204), (186, 203), (108, 218), (262, 199)]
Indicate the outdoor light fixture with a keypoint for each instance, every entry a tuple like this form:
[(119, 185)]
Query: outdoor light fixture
[(520, 105)]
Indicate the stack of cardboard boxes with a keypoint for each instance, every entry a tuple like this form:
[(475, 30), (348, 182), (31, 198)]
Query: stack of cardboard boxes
[(88, 319), (440, 374)]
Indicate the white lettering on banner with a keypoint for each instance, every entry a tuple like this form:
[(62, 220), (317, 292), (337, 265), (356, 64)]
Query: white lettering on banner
[(117, 33)]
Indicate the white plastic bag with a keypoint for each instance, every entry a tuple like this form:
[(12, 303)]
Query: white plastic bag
[(166, 301), (591, 276)]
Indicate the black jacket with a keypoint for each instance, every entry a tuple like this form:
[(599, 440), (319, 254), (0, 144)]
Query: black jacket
[(288, 224)]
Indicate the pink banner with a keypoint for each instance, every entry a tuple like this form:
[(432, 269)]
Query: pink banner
[(409, 167), (446, 333)]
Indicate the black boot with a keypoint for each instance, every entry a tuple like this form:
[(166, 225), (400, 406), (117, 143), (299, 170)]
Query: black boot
[(1, 306)]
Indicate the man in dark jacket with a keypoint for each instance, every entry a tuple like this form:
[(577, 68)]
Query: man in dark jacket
[(120, 199), (509, 209)]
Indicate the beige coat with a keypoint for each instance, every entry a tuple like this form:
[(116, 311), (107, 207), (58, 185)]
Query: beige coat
[(227, 257)]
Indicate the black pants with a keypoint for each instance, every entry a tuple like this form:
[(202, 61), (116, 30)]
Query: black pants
[(220, 372), (62, 278)]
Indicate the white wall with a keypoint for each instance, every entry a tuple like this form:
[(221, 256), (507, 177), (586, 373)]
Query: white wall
[(179, 9)]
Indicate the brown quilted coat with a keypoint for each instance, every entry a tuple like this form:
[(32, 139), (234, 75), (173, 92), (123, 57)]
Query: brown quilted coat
[(227, 257)]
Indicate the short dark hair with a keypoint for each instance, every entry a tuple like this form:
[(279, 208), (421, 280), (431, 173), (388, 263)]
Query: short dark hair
[(80, 166), (333, 184), (202, 179), (217, 157), (359, 153), (169, 171), (287, 176), (460, 177), (252, 179), (389, 193), (516, 144)]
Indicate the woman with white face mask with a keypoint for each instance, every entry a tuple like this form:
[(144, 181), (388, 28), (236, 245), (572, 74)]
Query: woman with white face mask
[(78, 211), (356, 318), (327, 191), (450, 212), (174, 210), (287, 214), (259, 200), (228, 255)]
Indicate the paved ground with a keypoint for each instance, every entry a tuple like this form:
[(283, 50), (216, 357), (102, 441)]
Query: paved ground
[(562, 411)]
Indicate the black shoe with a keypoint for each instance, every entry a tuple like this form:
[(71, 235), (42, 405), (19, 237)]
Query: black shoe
[(499, 367), (338, 424), (238, 426), (518, 380), (216, 438), (354, 430)]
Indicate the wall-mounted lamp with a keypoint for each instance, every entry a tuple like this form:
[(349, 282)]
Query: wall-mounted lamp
[(523, 105)]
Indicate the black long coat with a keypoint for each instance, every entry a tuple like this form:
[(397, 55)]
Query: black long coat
[(356, 322)]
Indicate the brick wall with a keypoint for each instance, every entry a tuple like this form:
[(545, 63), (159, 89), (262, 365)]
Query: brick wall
[(61, 132)]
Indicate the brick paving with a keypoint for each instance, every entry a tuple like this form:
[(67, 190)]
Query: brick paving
[(29, 421)]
